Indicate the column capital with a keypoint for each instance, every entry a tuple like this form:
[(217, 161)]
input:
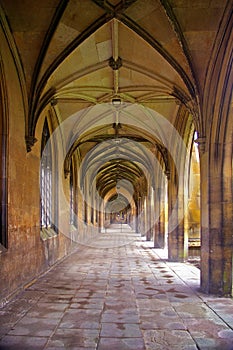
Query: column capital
[(201, 141), (30, 141)]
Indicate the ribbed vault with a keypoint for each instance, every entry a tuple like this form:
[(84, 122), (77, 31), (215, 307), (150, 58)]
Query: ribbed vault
[(128, 152), (74, 54)]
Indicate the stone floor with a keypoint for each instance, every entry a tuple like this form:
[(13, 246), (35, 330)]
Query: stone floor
[(117, 294)]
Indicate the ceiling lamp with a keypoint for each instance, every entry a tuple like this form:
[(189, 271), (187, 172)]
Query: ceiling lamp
[(116, 102)]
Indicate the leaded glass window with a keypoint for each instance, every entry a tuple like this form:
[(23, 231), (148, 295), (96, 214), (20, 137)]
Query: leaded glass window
[(46, 178)]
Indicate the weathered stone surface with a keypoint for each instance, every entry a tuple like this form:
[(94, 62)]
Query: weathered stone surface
[(76, 306)]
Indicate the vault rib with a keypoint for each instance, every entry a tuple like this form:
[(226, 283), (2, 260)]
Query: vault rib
[(115, 53)]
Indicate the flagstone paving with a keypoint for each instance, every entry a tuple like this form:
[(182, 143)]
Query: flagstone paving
[(117, 293)]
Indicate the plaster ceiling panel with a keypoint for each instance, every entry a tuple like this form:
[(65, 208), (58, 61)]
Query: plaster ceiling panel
[(78, 17), (63, 36), (140, 9), (199, 22), (152, 18), (93, 50), (81, 14), (114, 2), (167, 109), (89, 52), (129, 77), (29, 24), (200, 48), (26, 15), (197, 3), (101, 78), (104, 50), (142, 54), (135, 93), (85, 148), (69, 108), (92, 93), (29, 44), (199, 19)]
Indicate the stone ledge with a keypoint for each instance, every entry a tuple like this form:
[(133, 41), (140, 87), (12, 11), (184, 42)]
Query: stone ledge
[(47, 233)]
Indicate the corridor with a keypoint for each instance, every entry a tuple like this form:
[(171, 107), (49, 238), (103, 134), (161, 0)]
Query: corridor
[(117, 294)]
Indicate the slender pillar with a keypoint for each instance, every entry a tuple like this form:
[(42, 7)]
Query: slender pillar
[(143, 213), (140, 215), (159, 204), (157, 217), (161, 219), (136, 213), (148, 217), (177, 247)]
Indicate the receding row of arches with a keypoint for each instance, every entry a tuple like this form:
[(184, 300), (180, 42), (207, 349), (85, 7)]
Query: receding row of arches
[(116, 176)]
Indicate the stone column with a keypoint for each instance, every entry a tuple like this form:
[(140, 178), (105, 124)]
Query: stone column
[(148, 216), (177, 247), (99, 221), (161, 222), (216, 220), (157, 208), (100, 215), (139, 211), (143, 210), (136, 218), (161, 219)]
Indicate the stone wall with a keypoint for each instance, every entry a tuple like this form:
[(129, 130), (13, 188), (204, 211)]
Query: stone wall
[(27, 255)]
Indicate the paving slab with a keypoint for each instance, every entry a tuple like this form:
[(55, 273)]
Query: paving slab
[(16, 342), (121, 344), (117, 294), (74, 339), (169, 339)]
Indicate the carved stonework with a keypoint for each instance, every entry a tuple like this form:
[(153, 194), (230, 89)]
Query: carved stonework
[(53, 102), (115, 64), (201, 141), (180, 96), (66, 173), (30, 141), (168, 174), (190, 103), (164, 152)]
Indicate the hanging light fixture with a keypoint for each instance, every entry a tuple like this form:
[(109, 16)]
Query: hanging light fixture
[(116, 101)]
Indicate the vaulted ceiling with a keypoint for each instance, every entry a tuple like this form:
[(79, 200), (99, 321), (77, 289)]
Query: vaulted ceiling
[(81, 53)]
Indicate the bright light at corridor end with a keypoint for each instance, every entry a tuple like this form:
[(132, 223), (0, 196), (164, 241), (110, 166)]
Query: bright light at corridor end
[(85, 122)]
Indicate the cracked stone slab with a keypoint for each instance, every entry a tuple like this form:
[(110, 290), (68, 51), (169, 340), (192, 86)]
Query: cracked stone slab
[(36, 327), (74, 339), (120, 330), (81, 319), (22, 342), (121, 344), (168, 339)]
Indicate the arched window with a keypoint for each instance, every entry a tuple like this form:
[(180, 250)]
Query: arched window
[(46, 179), (72, 194)]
